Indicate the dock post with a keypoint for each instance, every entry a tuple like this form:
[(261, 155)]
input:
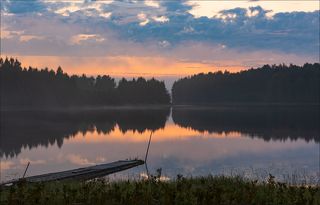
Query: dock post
[(25, 171)]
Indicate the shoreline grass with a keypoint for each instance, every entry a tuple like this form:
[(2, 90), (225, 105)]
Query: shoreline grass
[(199, 190)]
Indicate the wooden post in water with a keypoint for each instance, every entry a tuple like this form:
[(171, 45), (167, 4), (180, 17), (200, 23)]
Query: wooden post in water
[(25, 171), (146, 157)]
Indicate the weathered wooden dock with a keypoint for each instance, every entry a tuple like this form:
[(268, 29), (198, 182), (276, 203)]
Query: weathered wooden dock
[(85, 173)]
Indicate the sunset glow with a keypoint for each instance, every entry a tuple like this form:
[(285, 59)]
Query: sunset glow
[(125, 66), (159, 39)]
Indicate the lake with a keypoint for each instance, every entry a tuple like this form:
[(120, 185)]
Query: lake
[(252, 141)]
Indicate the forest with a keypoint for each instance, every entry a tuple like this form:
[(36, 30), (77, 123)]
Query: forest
[(267, 84), (32, 87)]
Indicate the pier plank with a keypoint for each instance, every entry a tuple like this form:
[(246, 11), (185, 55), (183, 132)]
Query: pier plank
[(85, 173)]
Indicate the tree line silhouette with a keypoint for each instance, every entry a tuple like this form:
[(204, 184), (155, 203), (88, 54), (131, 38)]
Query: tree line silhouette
[(34, 87), (267, 84)]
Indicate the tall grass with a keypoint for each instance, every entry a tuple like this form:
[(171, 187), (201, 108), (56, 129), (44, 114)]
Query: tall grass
[(199, 190)]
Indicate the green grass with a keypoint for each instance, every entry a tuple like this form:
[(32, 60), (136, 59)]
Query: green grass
[(200, 190)]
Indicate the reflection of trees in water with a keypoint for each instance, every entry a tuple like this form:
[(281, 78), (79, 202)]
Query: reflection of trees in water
[(29, 129), (268, 122)]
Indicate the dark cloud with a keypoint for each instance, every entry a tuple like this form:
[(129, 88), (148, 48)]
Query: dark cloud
[(295, 32), (179, 6), (243, 29), (22, 6)]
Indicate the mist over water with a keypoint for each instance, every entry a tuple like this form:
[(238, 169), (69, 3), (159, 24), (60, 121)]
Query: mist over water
[(252, 141)]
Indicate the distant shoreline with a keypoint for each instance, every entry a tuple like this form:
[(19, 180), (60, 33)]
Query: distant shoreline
[(85, 108), (157, 106)]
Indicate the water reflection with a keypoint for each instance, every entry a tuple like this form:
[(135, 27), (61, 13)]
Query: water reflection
[(194, 141), (269, 123), (29, 129)]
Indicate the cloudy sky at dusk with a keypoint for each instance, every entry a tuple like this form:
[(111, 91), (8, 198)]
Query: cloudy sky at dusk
[(166, 39)]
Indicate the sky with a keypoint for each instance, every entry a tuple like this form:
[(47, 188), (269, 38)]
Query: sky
[(166, 39)]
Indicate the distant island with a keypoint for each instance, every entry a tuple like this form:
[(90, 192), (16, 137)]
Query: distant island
[(32, 87), (267, 84)]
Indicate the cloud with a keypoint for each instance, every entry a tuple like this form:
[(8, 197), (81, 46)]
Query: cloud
[(88, 8), (80, 38), (165, 29), (161, 19), (143, 19), (212, 8), (7, 34), (105, 15), (25, 38), (178, 6), (152, 3), (295, 32)]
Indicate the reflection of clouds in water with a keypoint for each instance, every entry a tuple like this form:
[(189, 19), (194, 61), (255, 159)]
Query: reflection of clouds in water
[(6, 165), (77, 159), (100, 159), (190, 157), (298, 165), (24, 161), (9, 170), (194, 148), (195, 142)]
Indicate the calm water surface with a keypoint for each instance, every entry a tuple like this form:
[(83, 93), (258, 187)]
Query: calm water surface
[(249, 141)]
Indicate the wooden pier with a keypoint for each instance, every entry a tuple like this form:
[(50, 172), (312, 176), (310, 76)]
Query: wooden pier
[(85, 173)]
